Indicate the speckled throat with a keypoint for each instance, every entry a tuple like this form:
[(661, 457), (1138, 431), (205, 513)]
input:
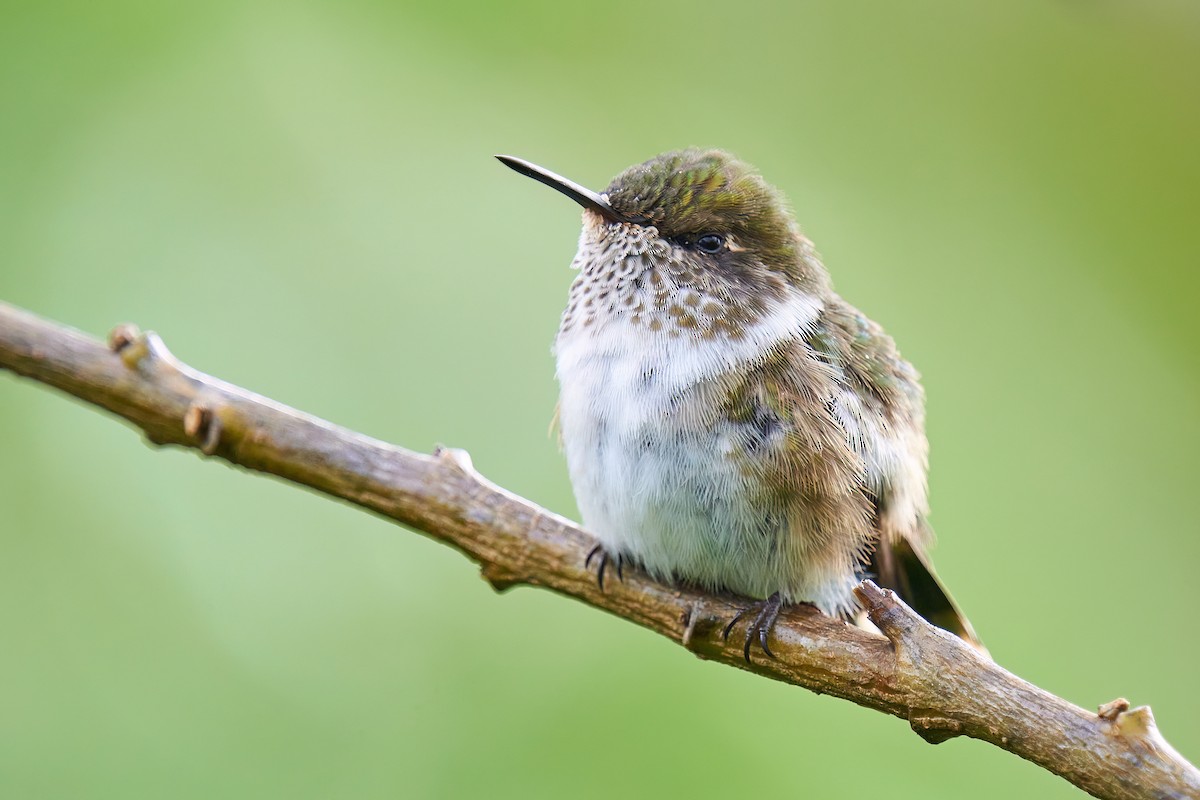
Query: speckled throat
[(628, 272)]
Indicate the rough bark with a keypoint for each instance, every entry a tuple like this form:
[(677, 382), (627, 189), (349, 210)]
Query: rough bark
[(943, 687)]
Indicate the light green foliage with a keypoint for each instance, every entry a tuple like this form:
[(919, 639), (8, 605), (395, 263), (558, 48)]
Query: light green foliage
[(300, 197)]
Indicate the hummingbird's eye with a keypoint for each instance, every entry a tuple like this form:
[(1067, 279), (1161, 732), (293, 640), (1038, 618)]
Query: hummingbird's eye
[(710, 242)]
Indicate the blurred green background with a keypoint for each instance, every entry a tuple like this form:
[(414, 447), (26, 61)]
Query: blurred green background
[(300, 197)]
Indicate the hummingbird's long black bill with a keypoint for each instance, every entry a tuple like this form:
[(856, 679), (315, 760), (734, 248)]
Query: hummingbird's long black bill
[(585, 197)]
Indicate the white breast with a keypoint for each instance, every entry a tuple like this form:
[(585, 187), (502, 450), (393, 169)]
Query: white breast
[(646, 451)]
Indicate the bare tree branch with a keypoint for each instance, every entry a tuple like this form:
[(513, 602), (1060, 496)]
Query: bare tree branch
[(919, 673)]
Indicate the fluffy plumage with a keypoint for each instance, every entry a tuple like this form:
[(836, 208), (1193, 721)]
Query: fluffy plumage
[(729, 420)]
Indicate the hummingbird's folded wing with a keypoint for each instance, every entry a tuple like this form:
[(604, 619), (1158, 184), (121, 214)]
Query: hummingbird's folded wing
[(902, 567)]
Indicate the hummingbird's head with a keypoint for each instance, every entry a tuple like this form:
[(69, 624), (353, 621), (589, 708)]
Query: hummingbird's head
[(710, 203), (701, 226)]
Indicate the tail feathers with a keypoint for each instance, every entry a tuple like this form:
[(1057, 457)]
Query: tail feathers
[(899, 566)]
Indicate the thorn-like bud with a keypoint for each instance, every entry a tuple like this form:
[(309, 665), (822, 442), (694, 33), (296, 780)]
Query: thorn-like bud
[(122, 336), (460, 458), (1112, 709), (199, 422), (193, 420)]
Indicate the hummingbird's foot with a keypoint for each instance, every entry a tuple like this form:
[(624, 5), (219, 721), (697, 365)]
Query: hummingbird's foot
[(768, 611), (603, 559)]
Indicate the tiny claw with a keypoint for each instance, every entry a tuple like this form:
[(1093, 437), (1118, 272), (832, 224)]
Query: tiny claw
[(732, 622), (768, 612), (603, 558), (598, 550), (766, 621)]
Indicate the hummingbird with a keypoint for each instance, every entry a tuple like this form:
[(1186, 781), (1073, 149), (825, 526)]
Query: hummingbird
[(728, 420)]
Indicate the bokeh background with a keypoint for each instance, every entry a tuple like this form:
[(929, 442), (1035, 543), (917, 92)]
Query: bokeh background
[(300, 197)]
